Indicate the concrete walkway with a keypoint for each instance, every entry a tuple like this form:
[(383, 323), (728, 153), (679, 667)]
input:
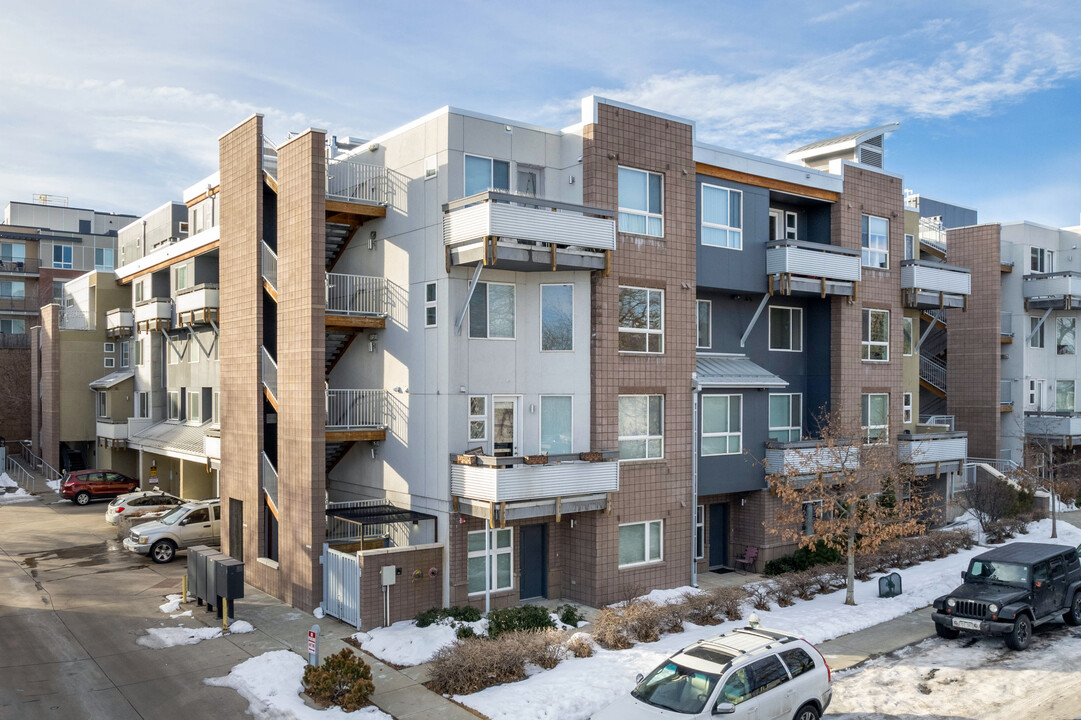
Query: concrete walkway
[(850, 650)]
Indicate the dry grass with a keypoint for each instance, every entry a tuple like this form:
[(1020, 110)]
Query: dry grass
[(580, 646), (473, 664)]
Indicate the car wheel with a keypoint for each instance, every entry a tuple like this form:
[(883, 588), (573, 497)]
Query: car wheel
[(1019, 637), (808, 712), (163, 551), (947, 633), (1073, 615), (82, 498)]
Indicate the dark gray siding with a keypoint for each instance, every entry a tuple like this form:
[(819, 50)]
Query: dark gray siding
[(952, 215), (744, 269), (718, 474)]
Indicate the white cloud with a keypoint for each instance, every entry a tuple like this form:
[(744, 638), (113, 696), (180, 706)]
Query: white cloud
[(839, 12)]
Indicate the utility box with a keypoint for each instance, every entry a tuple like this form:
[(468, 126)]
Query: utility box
[(212, 594), (229, 578), (197, 579), (387, 575), (889, 585)]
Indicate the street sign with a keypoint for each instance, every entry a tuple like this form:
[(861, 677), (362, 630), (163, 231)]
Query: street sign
[(313, 646), (153, 474)]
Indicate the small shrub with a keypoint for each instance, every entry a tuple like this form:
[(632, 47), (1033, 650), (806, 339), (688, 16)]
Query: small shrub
[(761, 596), (459, 614), (523, 617), (646, 620), (473, 664), (464, 632), (865, 566), (427, 617), (343, 680), (802, 584), (832, 578), (580, 646), (730, 600), (610, 629), (803, 559), (544, 649), (781, 591), (997, 531), (702, 608), (569, 615)]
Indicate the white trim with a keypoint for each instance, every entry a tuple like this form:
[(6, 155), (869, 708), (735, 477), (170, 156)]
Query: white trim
[(431, 304), (170, 251), (491, 172), (647, 437), (540, 311), (868, 343), (867, 249), (786, 428), (906, 408), (590, 113), (488, 313), (516, 431), (725, 434), (716, 226), (769, 329), (540, 420), (645, 547), (647, 331), (493, 552), (788, 214), (866, 398), (699, 532), (641, 213), (471, 418)]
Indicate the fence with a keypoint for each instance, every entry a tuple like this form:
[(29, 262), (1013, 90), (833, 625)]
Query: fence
[(339, 530), (356, 408), (38, 465), (349, 180), (356, 295)]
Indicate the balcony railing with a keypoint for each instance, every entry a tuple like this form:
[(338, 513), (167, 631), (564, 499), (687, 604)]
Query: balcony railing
[(1056, 425), (9, 341), (512, 479), (933, 285), (1060, 290), (197, 305), (154, 313), (26, 266), (1006, 322), (119, 322), (933, 372), (74, 317), (270, 374), (356, 295), (945, 421), (798, 266), (270, 267), (112, 429), (1005, 393), (270, 480), (19, 304), (270, 157), (356, 409), (356, 182), (212, 443), (810, 457), (933, 452), (932, 234)]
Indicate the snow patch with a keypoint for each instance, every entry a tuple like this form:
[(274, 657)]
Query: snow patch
[(18, 496), (403, 643), (6, 481), (158, 638), (172, 605), (318, 612)]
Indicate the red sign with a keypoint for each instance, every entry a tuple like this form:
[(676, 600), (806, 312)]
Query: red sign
[(311, 641)]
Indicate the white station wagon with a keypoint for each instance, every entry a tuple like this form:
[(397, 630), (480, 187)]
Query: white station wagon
[(194, 523)]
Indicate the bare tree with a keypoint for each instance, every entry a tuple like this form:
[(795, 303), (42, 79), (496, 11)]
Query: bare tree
[(989, 499), (1059, 470)]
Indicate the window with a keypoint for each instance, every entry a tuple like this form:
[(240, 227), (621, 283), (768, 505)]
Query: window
[(429, 305), (180, 278), (62, 257), (483, 174), (722, 217), (174, 405), (478, 418), (110, 362), (530, 180), (641, 202), (12, 289), (193, 406), (875, 417), (555, 424), (491, 311), (700, 532), (103, 258), (811, 508), (58, 291), (640, 543), (431, 166), (641, 320), (125, 353), (142, 407), (641, 427), (722, 424), (13, 326), (1067, 334), (876, 242), (500, 548), (1064, 396), (876, 335), (705, 333), (139, 291), (109, 347), (786, 417), (182, 227), (797, 660), (1042, 261), (139, 351), (786, 329), (1035, 394), (557, 317), (791, 226), (909, 341), (103, 404), (12, 253), (906, 408), (173, 351), (1035, 329), (910, 247)]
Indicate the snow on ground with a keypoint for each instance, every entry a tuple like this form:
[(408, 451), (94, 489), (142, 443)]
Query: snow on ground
[(53, 485), (6, 481), (172, 605), (967, 678), (158, 638), (579, 687), (18, 496), (403, 643), (271, 682)]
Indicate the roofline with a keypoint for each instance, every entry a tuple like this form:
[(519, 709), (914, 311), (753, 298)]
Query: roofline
[(144, 216), (944, 202), (590, 103), (861, 137), (66, 207), (872, 168), (826, 180)]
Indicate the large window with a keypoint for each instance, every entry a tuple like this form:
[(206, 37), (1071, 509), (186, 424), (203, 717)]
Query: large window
[(786, 329), (641, 320), (909, 341), (491, 311), (722, 217), (641, 543), (786, 417), (641, 202), (1064, 395), (125, 353), (876, 242), (478, 418), (722, 424), (62, 257), (641, 427), (142, 404), (12, 253), (875, 417), (13, 326), (193, 406), (483, 173), (910, 247), (1035, 329), (12, 289), (1066, 336), (103, 258), (181, 277), (501, 549), (876, 335), (705, 330), (175, 411), (555, 424), (557, 317), (1041, 261)]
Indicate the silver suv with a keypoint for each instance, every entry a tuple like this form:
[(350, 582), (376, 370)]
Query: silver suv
[(194, 523), (747, 673)]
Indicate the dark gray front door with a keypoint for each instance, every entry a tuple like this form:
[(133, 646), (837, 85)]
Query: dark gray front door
[(533, 556), (718, 535)]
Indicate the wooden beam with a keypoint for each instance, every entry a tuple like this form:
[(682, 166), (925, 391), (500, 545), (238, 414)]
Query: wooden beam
[(171, 261), (270, 181), (270, 290), (203, 196), (502, 515), (559, 509), (270, 399), (351, 322), (758, 181), (335, 207), (355, 435)]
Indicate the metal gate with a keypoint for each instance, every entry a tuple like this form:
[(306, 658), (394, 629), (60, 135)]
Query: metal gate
[(341, 585)]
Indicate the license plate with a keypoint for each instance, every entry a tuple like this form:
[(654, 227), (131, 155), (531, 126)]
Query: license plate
[(966, 624)]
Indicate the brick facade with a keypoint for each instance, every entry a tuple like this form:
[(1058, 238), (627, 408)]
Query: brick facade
[(16, 384), (415, 590), (48, 438)]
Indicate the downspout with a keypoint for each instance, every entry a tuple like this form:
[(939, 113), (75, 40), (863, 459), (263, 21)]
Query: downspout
[(695, 392)]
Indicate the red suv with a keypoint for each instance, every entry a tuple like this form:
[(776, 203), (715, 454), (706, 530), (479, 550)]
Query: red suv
[(82, 486)]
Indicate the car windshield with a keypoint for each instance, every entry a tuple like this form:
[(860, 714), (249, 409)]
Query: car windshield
[(674, 687), (173, 516), (998, 572)]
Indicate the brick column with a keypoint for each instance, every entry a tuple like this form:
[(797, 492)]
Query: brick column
[(50, 385)]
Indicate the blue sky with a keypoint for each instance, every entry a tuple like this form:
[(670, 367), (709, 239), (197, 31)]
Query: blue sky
[(118, 104)]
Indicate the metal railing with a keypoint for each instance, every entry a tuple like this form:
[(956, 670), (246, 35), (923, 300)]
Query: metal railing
[(270, 480), (10, 303), (1005, 392), (356, 295), (937, 314), (10, 341), (354, 181), (933, 372), (1006, 320), (933, 234), (270, 373), (946, 420), (23, 478), (270, 157), (37, 464), (339, 529), (270, 266), (356, 409), (26, 265)]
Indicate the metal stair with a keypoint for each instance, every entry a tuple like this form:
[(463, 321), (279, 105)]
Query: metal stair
[(933, 375)]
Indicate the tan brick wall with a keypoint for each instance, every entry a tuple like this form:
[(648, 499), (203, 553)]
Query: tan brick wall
[(649, 490), (973, 363), (50, 385), (35, 401), (301, 366), (415, 589)]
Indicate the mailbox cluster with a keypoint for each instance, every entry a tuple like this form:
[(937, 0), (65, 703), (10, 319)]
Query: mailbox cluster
[(214, 577)]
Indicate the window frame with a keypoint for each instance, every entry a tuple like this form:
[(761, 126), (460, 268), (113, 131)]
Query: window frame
[(789, 428), (868, 343), (1060, 323), (491, 173), (646, 331), (647, 437), (194, 398), (171, 397), (102, 265), (865, 404), (906, 408), (110, 363), (67, 256), (708, 304), (700, 532), (729, 229), (540, 422), (431, 309), (138, 352), (1058, 394), (541, 312), (646, 549), (488, 312), (910, 246), (1041, 260), (180, 278), (1036, 341), (125, 353), (644, 213), (729, 433), (493, 552), (471, 418), (103, 404), (142, 404), (109, 347), (791, 230), (908, 337), (866, 251), (793, 313)]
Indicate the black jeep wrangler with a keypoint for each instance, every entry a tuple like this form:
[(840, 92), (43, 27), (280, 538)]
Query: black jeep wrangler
[(1009, 590)]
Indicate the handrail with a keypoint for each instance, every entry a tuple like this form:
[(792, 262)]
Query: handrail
[(509, 197), (37, 463), (26, 265), (270, 266), (270, 373), (356, 295), (820, 247), (270, 480), (354, 181), (355, 408), (933, 372), (1056, 274), (934, 265)]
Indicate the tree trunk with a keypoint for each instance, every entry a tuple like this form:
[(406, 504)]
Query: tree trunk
[(850, 592)]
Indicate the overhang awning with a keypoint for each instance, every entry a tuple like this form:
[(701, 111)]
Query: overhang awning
[(112, 380), (384, 514), (172, 438), (734, 371)]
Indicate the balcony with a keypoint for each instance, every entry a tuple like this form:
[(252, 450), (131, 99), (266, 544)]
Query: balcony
[(270, 482), (805, 458), (197, 305), (353, 415), (1005, 396), (356, 301), (1058, 290), (112, 433), (926, 284), (154, 314), (16, 341), (19, 304), (1005, 327), (355, 191), (212, 444), (22, 266), (795, 266), (120, 322), (522, 233), (490, 487), (933, 453), (269, 268), (1060, 428)]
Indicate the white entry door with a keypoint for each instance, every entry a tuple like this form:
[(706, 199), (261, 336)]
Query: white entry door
[(505, 425)]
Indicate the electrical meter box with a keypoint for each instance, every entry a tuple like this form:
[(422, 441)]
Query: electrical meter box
[(387, 574)]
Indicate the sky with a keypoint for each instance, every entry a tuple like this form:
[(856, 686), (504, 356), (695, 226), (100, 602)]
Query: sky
[(118, 104)]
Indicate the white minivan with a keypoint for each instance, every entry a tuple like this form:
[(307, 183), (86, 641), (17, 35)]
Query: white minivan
[(194, 523), (747, 673)]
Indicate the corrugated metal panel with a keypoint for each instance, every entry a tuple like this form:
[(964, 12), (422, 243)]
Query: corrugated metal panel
[(932, 451), (206, 297), (525, 223), (812, 263), (734, 371), (468, 223), (1053, 425), (786, 461), (533, 482), (936, 279), (1058, 286)]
